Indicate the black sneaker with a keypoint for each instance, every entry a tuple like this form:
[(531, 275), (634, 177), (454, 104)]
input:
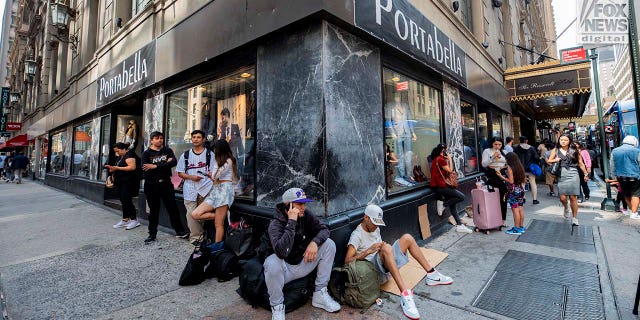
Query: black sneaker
[(149, 239), (183, 235), (536, 202)]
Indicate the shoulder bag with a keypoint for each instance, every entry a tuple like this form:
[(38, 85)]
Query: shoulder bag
[(450, 179)]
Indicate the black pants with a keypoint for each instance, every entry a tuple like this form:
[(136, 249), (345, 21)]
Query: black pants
[(620, 199), (126, 191), (451, 197), (155, 191), (497, 183), (583, 184)]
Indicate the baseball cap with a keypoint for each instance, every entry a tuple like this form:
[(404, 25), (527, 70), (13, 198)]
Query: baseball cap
[(295, 195), (375, 214)]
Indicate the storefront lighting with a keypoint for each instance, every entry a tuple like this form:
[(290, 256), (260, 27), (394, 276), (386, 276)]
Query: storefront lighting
[(30, 67), (61, 13), (245, 75), (395, 79)]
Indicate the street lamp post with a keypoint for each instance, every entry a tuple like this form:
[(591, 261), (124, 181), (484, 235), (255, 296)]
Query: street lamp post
[(607, 203)]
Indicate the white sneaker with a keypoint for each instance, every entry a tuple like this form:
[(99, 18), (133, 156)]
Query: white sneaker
[(132, 224), (120, 224), (567, 213), (440, 207), (625, 212), (634, 216), (408, 305), (436, 278), (463, 229), (322, 299), (574, 221), (277, 312)]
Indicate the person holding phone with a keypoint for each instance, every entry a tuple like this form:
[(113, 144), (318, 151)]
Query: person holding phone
[(493, 160), (300, 243), (127, 182), (442, 165), (194, 169)]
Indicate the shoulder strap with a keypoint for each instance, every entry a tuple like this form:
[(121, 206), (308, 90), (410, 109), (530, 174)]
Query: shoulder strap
[(186, 160), (208, 156)]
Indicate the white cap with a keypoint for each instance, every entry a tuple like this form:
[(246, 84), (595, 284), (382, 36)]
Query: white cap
[(375, 214), (630, 140), (295, 195)]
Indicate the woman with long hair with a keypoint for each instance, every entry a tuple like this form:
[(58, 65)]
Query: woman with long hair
[(441, 165), (515, 180), (569, 181), (216, 205), (493, 160), (586, 159), (127, 183)]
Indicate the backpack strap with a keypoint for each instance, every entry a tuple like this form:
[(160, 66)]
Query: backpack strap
[(186, 160), (208, 156)]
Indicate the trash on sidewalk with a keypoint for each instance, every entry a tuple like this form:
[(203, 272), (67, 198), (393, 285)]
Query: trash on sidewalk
[(412, 273)]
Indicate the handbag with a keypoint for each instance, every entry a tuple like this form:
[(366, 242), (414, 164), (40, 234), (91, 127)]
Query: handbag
[(110, 182), (451, 179), (193, 272), (239, 237), (555, 169)]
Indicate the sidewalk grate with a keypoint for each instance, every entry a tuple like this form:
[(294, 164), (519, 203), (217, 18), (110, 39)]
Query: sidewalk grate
[(545, 288), (559, 235)]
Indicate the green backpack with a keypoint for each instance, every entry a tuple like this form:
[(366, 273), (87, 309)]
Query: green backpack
[(357, 284)]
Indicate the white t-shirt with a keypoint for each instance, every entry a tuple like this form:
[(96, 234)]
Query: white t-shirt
[(197, 162), (362, 240)]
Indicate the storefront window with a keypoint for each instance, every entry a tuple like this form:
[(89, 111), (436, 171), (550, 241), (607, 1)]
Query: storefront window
[(58, 143), (496, 125), (81, 165), (44, 148), (105, 131), (412, 130), (469, 137), (223, 109), (483, 137)]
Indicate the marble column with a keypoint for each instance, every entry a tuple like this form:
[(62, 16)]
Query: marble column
[(94, 154), (453, 126), (290, 126), (68, 150), (153, 110), (354, 132)]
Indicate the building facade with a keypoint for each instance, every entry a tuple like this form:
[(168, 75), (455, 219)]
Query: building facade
[(313, 94)]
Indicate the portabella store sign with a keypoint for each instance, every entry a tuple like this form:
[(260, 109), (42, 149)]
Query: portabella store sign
[(399, 23), (132, 74)]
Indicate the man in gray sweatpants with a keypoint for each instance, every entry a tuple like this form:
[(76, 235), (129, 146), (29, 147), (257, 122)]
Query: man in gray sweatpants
[(301, 243)]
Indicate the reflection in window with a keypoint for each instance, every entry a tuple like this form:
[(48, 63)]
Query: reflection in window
[(81, 165), (58, 150), (223, 109), (44, 149), (138, 5), (496, 125), (412, 130), (105, 131), (483, 138), (469, 137)]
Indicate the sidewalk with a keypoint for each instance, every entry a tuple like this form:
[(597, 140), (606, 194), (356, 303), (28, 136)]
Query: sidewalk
[(60, 258)]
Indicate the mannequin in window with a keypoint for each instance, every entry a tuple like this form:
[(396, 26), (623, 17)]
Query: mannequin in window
[(224, 127), (130, 134), (402, 132)]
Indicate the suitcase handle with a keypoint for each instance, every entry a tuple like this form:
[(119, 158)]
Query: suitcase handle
[(478, 209)]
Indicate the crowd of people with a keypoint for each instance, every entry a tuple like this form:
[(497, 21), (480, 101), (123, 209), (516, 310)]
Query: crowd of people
[(13, 167)]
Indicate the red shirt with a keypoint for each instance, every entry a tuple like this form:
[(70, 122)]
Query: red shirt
[(436, 167)]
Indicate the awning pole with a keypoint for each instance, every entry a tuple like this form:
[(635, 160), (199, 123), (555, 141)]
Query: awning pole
[(607, 203)]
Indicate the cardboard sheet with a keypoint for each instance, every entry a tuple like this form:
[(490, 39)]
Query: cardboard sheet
[(423, 218), (412, 273)]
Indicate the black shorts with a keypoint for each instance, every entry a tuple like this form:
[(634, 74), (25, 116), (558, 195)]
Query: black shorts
[(630, 188)]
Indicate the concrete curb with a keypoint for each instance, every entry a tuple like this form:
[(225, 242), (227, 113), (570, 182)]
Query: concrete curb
[(3, 301)]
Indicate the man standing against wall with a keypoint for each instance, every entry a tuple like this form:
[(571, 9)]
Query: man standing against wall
[(157, 162), (193, 169), (625, 166)]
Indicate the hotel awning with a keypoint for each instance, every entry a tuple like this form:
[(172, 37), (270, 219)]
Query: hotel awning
[(549, 90)]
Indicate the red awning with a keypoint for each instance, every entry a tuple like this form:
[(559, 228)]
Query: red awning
[(17, 141)]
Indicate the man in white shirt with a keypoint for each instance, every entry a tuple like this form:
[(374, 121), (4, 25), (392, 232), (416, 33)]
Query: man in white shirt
[(366, 243), (196, 185)]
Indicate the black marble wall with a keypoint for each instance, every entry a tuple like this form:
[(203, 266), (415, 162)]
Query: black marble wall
[(290, 150), (320, 119), (354, 120)]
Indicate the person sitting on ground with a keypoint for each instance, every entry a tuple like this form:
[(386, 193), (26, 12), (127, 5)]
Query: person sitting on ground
[(301, 244), (366, 243)]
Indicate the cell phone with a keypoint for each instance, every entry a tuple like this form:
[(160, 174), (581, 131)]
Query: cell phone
[(200, 172)]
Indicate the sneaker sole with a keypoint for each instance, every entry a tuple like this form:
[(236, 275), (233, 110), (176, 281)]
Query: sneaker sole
[(412, 318), (323, 308), (127, 228), (440, 284)]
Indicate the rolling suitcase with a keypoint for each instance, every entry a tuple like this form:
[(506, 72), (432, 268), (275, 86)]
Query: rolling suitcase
[(486, 210)]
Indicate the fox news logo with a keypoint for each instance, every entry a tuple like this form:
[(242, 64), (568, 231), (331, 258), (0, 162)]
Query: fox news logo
[(602, 22)]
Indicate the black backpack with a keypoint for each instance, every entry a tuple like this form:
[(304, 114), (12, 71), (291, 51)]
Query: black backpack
[(224, 265), (253, 288), (194, 271)]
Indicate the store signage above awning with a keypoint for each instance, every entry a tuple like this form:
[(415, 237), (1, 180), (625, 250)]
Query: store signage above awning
[(573, 55), (400, 24), (132, 74), (14, 126)]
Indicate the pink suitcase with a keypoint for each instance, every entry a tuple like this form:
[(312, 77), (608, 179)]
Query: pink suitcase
[(486, 210)]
